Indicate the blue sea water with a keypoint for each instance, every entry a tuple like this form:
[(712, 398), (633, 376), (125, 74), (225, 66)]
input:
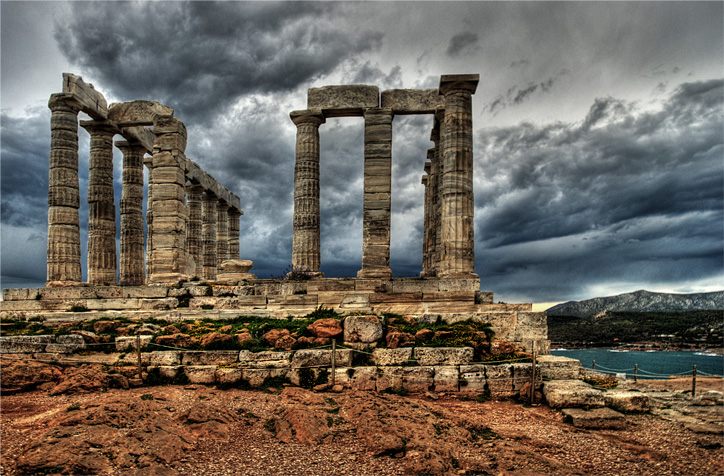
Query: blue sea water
[(653, 364)]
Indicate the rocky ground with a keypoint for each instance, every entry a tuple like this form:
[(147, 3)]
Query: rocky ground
[(198, 430)]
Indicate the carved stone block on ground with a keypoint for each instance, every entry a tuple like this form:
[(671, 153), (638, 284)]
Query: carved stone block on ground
[(321, 358), (596, 419), (572, 393), (628, 402), (365, 329)]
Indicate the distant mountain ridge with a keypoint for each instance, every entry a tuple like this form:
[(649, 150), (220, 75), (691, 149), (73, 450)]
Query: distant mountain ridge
[(640, 301)]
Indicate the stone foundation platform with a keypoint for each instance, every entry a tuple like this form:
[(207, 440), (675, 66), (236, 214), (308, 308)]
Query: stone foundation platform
[(451, 300)]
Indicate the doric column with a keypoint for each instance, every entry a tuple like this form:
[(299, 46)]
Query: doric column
[(458, 251), (209, 215), (306, 253), (148, 162), (63, 193), (377, 194), (222, 233), (436, 171), (102, 264), (234, 228), (193, 231), (169, 213), (426, 224), (131, 266)]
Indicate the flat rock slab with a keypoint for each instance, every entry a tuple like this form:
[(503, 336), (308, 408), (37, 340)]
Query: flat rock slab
[(572, 393), (628, 402), (596, 419)]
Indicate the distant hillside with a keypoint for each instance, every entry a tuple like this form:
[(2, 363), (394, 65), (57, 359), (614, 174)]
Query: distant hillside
[(640, 301)]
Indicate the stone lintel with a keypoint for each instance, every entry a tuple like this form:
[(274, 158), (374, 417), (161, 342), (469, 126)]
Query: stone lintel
[(137, 113), (196, 174), (102, 125), (141, 135), (343, 101), (427, 167), (468, 82), (92, 102), (412, 101)]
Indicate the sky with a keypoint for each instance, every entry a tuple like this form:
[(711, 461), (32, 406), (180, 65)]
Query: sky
[(598, 127)]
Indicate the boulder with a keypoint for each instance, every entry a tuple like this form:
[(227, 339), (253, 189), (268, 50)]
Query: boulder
[(424, 335), (326, 328), (314, 341), (104, 327), (364, 329), (273, 335), (148, 329), (24, 375), (88, 337), (177, 340), (216, 340), (243, 337), (285, 342), (499, 346), (399, 339)]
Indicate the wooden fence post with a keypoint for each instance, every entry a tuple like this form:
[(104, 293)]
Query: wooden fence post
[(334, 359), (693, 382), (138, 351), (636, 373), (532, 378)]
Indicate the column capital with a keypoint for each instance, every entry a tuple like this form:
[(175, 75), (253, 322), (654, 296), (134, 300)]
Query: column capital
[(235, 212), (64, 101), (222, 205), (307, 116), (378, 111), (459, 82), (195, 187)]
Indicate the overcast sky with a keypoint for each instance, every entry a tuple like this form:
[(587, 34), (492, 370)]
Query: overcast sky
[(598, 127)]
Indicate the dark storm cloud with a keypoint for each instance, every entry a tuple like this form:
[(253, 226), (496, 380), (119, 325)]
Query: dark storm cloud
[(462, 43), (517, 95), (625, 192), (198, 57)]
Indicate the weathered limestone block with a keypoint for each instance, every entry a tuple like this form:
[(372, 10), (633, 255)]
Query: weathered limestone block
[(93, 103), (412, 379), (164, 358), (66, 344), (203, 374), (321, 358), (414, 285), (235, 270), (139, 113), (596, 419), (443, 355), (461, 284), (627, 402), (257, 377), (24, 344), (305, 376), (473, 379), (158, 304), (358, 378), (531, 325), (124, 344), (228, 375), (392, 357), (412, 101), (365, 329), (355, 301), (265, 359), (168, 371), (217, 357), (572, 393), (555, 367), (342, 101), (447, 378)]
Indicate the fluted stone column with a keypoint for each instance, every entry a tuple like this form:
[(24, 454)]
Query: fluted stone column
[(234, 228), (194, 246), (306, 254), (102, 263), (222, 233), (131, 266), (437, 170), (168, 205), (63, 193), (377, 194), (458, 252), (426, 225), (209, 215), (148, 162)]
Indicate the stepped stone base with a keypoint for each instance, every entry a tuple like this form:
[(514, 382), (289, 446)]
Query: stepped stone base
[(427, 299)]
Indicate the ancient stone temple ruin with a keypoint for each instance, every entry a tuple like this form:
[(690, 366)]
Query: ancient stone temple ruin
[(193, 221), (187, 267), (449, 246)]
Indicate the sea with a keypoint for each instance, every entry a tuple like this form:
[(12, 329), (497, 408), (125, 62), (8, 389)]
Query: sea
[(651, 364)]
